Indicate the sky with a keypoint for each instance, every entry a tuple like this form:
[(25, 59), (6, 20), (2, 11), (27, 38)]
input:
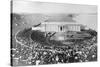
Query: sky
[(21, 6)]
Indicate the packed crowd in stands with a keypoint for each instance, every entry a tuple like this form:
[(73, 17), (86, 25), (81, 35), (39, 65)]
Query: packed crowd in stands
[(35, 50)]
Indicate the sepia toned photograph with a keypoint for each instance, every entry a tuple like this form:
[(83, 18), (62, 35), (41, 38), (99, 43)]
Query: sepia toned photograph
[(45, 33)]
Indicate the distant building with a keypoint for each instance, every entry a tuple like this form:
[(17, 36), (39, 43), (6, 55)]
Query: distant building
[(62, 26)]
